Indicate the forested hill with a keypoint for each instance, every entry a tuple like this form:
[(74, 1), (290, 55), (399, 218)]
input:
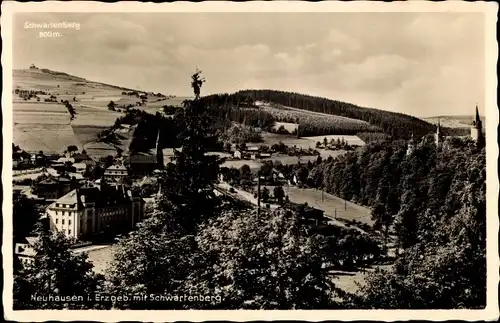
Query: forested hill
[(398, 125)]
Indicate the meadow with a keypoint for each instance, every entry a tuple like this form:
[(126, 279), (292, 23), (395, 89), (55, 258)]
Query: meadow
[(351, 140), (290, 127), (50, 138), (270, 139), (314, 123), (334, 206)]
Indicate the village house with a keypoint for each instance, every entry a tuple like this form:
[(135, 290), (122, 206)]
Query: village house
[(115, 173), (53, 188), (88, 211), (252, 149), (238, 154), (25, 251), (142, 164), (83, 158), (80, 168)]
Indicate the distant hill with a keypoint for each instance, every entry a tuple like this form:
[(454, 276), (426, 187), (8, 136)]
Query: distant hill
[(397, 125), (46, 80), (42, 122), (463, 121)]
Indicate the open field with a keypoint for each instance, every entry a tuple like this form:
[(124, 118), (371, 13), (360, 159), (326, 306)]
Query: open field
[(290, 127), (50, 138), (321, 120), (86, 133), (40, 113), (41, 107), (347, 280), (332, 205), (95, 119), (100, 257), (176, 102), (284, 111), (99, 149), (270, 139), (351, 140), (126, 100)]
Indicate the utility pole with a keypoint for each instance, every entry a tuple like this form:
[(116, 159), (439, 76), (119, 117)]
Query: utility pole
[(345, 204), (335, 213), (322, 196)]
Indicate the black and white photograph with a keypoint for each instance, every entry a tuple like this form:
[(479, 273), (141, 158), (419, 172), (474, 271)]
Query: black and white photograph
[(249, 156)]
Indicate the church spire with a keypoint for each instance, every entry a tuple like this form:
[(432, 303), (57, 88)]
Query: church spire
[(411, 145), (478, 120), (437, 135), (476, 129), (159, 151)]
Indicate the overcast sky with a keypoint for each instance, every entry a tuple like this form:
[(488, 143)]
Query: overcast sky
[(423, 64)]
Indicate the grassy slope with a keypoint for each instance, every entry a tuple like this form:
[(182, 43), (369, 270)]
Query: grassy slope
[(47, 126)]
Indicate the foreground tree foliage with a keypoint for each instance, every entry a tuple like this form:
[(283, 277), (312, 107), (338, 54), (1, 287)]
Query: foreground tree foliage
[(24, 216), (154, 259), (56, 271), (266, 262), (434, 203)]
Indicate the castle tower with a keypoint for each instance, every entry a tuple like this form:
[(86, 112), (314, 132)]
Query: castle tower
[(159, 152), (411, 146), (476, 127), (437, 135)]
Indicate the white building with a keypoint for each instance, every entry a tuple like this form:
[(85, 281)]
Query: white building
[(237, 154), (25, 251), (81, 168), (115, 173), (87, 211)]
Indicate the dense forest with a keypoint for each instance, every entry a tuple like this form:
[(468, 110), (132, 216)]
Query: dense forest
[(145, 134), (397, 125), (240, 108), (434, 202)]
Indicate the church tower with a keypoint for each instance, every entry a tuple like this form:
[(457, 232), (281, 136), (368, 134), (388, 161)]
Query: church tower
[(437, 135), (159, 152), (476, 129), (411, 146)]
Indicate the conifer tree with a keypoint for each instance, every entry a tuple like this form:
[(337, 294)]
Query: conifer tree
[(188, 187)]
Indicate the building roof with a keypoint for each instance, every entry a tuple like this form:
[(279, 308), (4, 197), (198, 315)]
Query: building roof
[(32, 240), (81, 157), (252, 148), (26, 250), (49, 181), (143, 159), (117, 167), (106, 196), (80, 165), (64, 159)]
